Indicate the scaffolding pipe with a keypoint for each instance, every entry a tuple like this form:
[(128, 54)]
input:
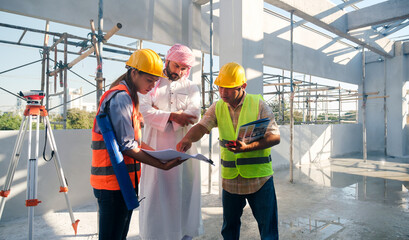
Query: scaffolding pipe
[(326, 95), (309, 105), (55, 67), (339, 104), (281, 84), (47, 80), (363, 106), (282, 101), (91, 50), (44, 59), (203, 86), (316, 105), (56, 43), (29, 29), (319, 89), (11, 69), (362, 94), (385, 131), (94, 41), (65, 81), (99, 78), (211, 94), (203, 112), (72, 100), (292, 101), (279, 97), (60, 35), (364, 98), (22, 36), (57, 94), (303, 105), (105, 49)]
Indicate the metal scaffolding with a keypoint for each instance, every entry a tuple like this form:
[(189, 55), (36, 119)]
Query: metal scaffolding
[(60, 68), (315, 103)]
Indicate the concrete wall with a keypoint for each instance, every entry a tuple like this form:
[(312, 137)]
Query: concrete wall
[(74, 148), (312, 144)]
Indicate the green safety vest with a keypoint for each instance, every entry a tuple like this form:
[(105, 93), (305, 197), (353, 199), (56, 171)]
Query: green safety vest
[(251, 164)]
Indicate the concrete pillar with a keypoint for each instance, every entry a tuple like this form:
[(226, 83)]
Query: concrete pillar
[(391, 77), (396, 86), (375, 123), (192, 38), (397, 103), (241, 38)]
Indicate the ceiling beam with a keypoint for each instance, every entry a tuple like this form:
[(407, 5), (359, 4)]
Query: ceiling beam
[(330, 17), (349, 3), (384, 12), (200, 2)]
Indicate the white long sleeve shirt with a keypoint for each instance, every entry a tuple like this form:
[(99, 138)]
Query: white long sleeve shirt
[(172, 197)]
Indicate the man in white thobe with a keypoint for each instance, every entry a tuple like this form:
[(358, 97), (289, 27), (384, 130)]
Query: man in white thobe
[(171, 208)]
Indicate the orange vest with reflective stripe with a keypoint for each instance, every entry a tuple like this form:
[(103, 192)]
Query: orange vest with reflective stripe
[(102, 172)]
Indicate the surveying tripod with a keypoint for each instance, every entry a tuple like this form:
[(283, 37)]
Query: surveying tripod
[(34, 110)]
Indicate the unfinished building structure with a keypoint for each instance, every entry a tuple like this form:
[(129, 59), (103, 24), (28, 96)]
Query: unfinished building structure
[(318, 38)]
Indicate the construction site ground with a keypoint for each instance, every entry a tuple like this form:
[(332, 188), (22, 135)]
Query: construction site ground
[(344, 198)]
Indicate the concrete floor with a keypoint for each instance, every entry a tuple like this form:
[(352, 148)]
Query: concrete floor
[(343, 198)]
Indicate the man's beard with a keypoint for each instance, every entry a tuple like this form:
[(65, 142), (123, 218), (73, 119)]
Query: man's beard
[(171, 76)]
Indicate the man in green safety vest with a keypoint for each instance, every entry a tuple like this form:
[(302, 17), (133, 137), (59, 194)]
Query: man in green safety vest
[(246, 168)]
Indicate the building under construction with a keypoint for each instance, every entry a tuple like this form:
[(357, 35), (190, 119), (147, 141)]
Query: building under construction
[(334, 72)]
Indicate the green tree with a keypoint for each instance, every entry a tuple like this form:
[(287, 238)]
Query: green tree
[(275, 107), (9, 121), (349, 116), (76, 119), (327, 117), (79, 119)]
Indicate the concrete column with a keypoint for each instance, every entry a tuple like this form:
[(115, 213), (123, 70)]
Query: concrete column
[(375, 121), (397, 76), (241, 38), (397, 104), (196, 70), (192, 38)]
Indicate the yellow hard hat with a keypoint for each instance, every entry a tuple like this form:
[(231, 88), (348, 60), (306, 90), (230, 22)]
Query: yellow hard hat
[(231, 75), (148, 61)]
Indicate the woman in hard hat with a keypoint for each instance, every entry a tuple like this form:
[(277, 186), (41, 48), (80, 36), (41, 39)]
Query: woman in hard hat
[(246, 169), (121, 103)]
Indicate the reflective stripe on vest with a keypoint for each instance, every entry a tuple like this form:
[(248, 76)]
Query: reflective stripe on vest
[(98, 145), (248, 164), (245, 161), (102, 173)]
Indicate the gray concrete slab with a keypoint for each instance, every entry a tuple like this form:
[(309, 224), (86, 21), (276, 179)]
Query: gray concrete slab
[(343, 198)]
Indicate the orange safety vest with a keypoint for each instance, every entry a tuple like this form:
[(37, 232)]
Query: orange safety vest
[(102, 172)]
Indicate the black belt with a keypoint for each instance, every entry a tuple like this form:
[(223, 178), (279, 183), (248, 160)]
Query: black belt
[(246, 161)]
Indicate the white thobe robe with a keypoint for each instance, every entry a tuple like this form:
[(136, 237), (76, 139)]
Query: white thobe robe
[(171, 208)]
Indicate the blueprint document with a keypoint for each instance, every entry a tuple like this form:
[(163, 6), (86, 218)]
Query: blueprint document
[(168, 154)]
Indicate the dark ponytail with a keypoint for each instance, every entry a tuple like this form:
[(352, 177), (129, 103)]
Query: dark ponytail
[(133, 90)]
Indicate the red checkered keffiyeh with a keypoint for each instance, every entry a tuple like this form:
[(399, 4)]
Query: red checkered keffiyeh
[(182, 55)]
